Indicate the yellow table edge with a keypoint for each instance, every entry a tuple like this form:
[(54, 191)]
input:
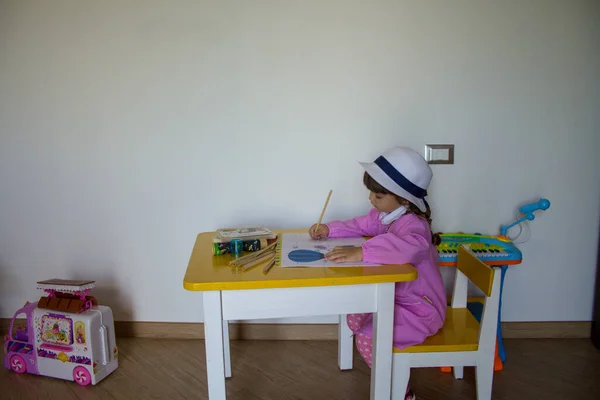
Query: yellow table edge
[(291, 283), (408, 273)]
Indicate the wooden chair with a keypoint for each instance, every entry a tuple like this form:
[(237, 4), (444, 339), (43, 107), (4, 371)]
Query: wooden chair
[(462, 341)]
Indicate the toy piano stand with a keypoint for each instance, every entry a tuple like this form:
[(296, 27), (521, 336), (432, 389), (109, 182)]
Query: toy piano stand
[(67, 335), (492, 250), (498, 251)]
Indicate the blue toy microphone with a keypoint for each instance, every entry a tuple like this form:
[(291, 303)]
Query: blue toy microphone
[(528, 210), (543, 204)]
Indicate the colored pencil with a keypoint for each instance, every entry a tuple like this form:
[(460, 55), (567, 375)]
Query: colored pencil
[(252, 256), (269, 265), (323, 211), (258, 261)]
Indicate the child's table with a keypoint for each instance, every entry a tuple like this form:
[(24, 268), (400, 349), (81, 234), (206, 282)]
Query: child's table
[(230, 294)]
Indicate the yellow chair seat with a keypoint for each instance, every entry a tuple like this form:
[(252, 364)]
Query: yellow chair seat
[(470, 299), (459, 333)]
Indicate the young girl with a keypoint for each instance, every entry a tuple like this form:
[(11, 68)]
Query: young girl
[(400, 226)]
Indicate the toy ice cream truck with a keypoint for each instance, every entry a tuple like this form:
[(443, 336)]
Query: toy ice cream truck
[(67, 335)]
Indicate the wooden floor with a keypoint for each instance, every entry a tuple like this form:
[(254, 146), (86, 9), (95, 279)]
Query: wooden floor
[(264, 370)]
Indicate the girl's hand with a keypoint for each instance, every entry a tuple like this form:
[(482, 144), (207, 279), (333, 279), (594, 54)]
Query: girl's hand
[(321, 233), (345, 254)]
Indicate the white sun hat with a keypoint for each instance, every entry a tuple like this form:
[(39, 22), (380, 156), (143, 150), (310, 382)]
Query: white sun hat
[(403, 172)]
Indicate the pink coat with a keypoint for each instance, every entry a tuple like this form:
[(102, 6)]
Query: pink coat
[(420, 305)]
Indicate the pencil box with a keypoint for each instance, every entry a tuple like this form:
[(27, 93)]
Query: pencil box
[(220, 247), (245, 233)]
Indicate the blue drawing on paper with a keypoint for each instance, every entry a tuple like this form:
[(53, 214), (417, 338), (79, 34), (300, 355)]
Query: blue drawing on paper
[(303, 256), (299, 250)]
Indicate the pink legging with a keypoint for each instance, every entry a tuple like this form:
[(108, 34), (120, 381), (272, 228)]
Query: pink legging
[(364, 344)]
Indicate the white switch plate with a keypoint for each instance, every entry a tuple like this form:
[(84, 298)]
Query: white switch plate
[(439, 153)]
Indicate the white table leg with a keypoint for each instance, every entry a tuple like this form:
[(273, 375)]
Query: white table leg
[(213, 340), (345, 339), (226, 350), (383, 325)]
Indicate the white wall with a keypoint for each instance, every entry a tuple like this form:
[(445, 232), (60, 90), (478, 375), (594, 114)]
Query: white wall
[(127, 127)]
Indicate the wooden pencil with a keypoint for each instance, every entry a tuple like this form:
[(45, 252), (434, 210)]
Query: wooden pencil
[(253, 255), (323, 211), (256, 262), (246, 261), (269, 265)]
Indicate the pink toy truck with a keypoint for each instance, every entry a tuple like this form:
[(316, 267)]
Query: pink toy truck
[(67, 335)]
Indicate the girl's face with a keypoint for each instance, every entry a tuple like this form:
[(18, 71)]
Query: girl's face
[(384, 202)]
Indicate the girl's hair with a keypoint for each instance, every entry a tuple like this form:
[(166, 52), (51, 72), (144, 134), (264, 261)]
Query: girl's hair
[(375, 187)]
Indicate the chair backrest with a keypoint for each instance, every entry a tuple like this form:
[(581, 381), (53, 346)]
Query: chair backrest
[(476, 271), (471, 268)]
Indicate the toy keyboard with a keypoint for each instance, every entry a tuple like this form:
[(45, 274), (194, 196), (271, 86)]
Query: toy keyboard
[(489, 249)]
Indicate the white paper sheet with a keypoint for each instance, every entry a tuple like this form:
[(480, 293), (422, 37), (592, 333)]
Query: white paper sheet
[(299, 250)]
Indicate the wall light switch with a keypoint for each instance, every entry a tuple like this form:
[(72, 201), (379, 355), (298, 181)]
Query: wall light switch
[(439, 153)]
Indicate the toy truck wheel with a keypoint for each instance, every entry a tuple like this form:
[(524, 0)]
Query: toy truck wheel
[(82, 376), (17, 364)]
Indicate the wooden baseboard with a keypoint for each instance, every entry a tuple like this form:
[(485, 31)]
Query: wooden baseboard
[(182, 330), (547, 330), (178, 330)]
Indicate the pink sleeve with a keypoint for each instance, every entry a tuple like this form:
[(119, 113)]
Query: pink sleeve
[(404, 244), (366, 225)]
